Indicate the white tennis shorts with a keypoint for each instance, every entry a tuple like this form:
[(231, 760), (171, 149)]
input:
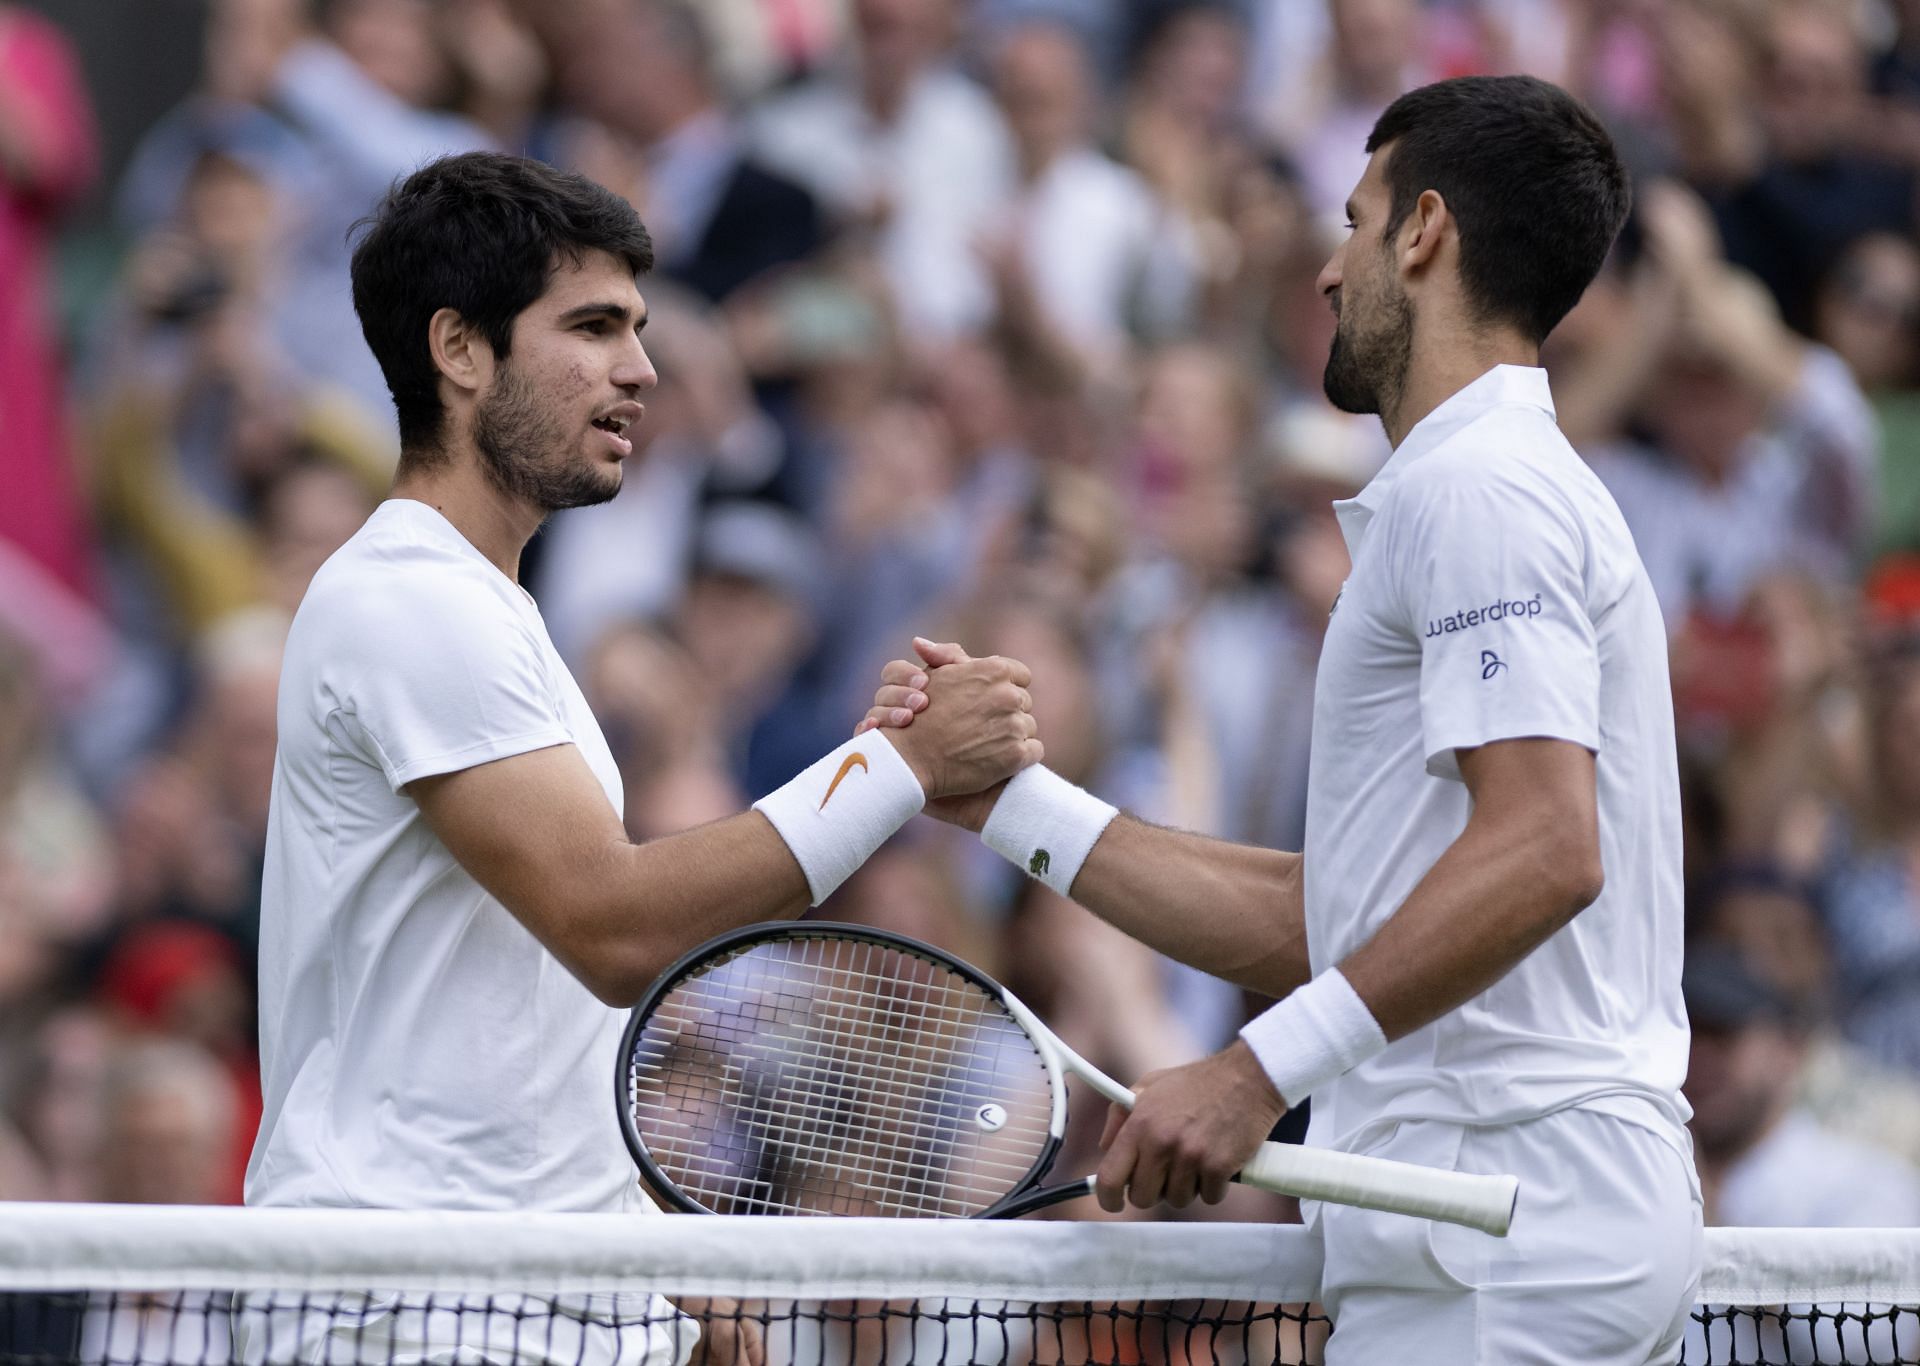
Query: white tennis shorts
[(1600, 1268)]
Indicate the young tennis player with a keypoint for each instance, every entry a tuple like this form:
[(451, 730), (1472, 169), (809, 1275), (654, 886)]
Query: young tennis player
[(452, 914)]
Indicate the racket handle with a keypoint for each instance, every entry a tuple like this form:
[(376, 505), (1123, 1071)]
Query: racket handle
[(1482, 1202)]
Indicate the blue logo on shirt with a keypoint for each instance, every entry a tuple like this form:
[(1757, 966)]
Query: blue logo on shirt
[(1490, 664)]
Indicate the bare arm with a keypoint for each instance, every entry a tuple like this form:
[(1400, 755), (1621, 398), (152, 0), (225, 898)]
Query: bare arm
[(1526, 864), (538, 833), (1233, 910)]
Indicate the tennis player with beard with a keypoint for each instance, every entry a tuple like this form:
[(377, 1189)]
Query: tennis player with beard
[(452, 915), (1479, 948)]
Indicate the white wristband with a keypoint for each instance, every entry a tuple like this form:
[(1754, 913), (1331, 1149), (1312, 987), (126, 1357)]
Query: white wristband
[(842, 808), (1046, 826), (1320, 1031)]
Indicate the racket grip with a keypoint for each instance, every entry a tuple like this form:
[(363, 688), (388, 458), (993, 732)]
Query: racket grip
[(1482, 1202)]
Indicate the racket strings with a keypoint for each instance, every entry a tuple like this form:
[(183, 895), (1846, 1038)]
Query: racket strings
[(836, 1076)]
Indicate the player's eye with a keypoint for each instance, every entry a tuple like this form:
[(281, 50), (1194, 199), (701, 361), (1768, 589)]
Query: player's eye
[(593, 327)]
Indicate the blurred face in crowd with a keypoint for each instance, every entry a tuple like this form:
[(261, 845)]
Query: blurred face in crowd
[(1776, 930), (1195, 68), (310, 512), (1739, 1080), (1896, 748), (1373, 339), (1374, 41), (745, 637), (394, 42), (550, 427), (1045, 89), (1869, 310), (169, 1133), (1815, 79), (1702, 414), (228, 209), (899, 36)]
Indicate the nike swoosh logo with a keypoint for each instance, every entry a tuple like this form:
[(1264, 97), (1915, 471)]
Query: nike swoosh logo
[(847, 765)]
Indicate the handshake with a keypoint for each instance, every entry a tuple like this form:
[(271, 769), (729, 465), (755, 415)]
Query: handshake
[(963, 725)]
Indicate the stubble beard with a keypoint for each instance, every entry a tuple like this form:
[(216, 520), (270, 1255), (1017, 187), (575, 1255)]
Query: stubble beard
[(1367, 365), (523, 450)]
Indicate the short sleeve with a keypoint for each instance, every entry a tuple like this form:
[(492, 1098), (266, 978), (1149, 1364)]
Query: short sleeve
[(1491, 570), (445, 677)]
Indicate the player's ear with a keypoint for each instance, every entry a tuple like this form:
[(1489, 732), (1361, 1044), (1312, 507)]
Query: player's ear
[(460, 353), (1421, 234)]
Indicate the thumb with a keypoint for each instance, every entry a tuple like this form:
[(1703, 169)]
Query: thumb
[(937, 655)]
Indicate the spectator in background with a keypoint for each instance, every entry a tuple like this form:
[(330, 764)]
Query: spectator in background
[(1870, 898), (1769, 920), (1808, 189), (1375, 56), (665, 729), (1868, 313), (901, 144), (356, 93), (720, 218), (1762, 451), (46, 164), (1104, 258), (1762, 1160)]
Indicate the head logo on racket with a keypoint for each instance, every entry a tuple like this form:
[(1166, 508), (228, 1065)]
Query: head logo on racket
[(990, 1117)]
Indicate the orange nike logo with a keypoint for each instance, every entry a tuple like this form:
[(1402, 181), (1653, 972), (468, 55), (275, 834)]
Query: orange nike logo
[(847, 765)]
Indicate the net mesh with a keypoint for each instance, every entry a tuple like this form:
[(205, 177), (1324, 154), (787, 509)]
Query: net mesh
[(121, 1285), (829, 1075)]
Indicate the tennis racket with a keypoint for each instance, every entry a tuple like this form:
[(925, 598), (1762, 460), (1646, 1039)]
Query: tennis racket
[(815, 1068)]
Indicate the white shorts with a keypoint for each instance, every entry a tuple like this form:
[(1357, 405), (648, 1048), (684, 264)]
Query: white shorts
[(1600, 1268)]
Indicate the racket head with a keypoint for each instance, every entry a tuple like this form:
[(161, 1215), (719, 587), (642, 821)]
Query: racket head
[(816, 1068)]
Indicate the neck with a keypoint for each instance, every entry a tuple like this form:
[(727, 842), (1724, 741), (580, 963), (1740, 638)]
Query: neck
[(498, 525), (1442, 367)]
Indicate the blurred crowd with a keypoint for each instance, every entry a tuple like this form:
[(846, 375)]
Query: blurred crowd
[(990, 321)]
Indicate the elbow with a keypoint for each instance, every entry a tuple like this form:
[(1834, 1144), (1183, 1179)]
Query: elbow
[(620, 976), (1579, 879)]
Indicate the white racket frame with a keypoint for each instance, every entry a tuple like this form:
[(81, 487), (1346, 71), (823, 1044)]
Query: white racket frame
[(1483, 1202)]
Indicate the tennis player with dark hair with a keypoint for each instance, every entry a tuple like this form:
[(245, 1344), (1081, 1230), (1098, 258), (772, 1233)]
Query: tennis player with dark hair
[(1479, 949), (452, 914)]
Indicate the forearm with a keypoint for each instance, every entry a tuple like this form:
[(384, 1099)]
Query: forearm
[(650, 903), (1486, 904), (1233, 910)]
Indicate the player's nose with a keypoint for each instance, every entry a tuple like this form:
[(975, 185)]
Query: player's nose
[(1329, 280), (634, 369)]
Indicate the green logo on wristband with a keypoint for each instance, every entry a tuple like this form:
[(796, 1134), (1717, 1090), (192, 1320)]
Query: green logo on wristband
[(1039, 863)]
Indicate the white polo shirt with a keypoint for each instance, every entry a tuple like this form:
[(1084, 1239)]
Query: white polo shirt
[(419, 1047), (1496, 594)]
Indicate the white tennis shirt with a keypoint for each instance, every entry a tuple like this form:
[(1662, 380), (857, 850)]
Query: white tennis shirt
[(419, 1047), (1496, 594)]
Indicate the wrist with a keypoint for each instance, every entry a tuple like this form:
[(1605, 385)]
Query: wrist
[(1246, 1065), (1322, 1031), (842, 808), (1044, 825)]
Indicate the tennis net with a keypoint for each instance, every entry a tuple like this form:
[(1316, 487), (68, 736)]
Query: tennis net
[(136, 1285)]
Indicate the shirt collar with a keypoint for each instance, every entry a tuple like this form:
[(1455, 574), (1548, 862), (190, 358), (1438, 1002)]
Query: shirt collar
[(1500, 386)]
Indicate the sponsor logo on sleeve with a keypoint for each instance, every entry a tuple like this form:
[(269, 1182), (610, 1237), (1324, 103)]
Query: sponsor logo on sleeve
[(1490, 664), (1505, 609)]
